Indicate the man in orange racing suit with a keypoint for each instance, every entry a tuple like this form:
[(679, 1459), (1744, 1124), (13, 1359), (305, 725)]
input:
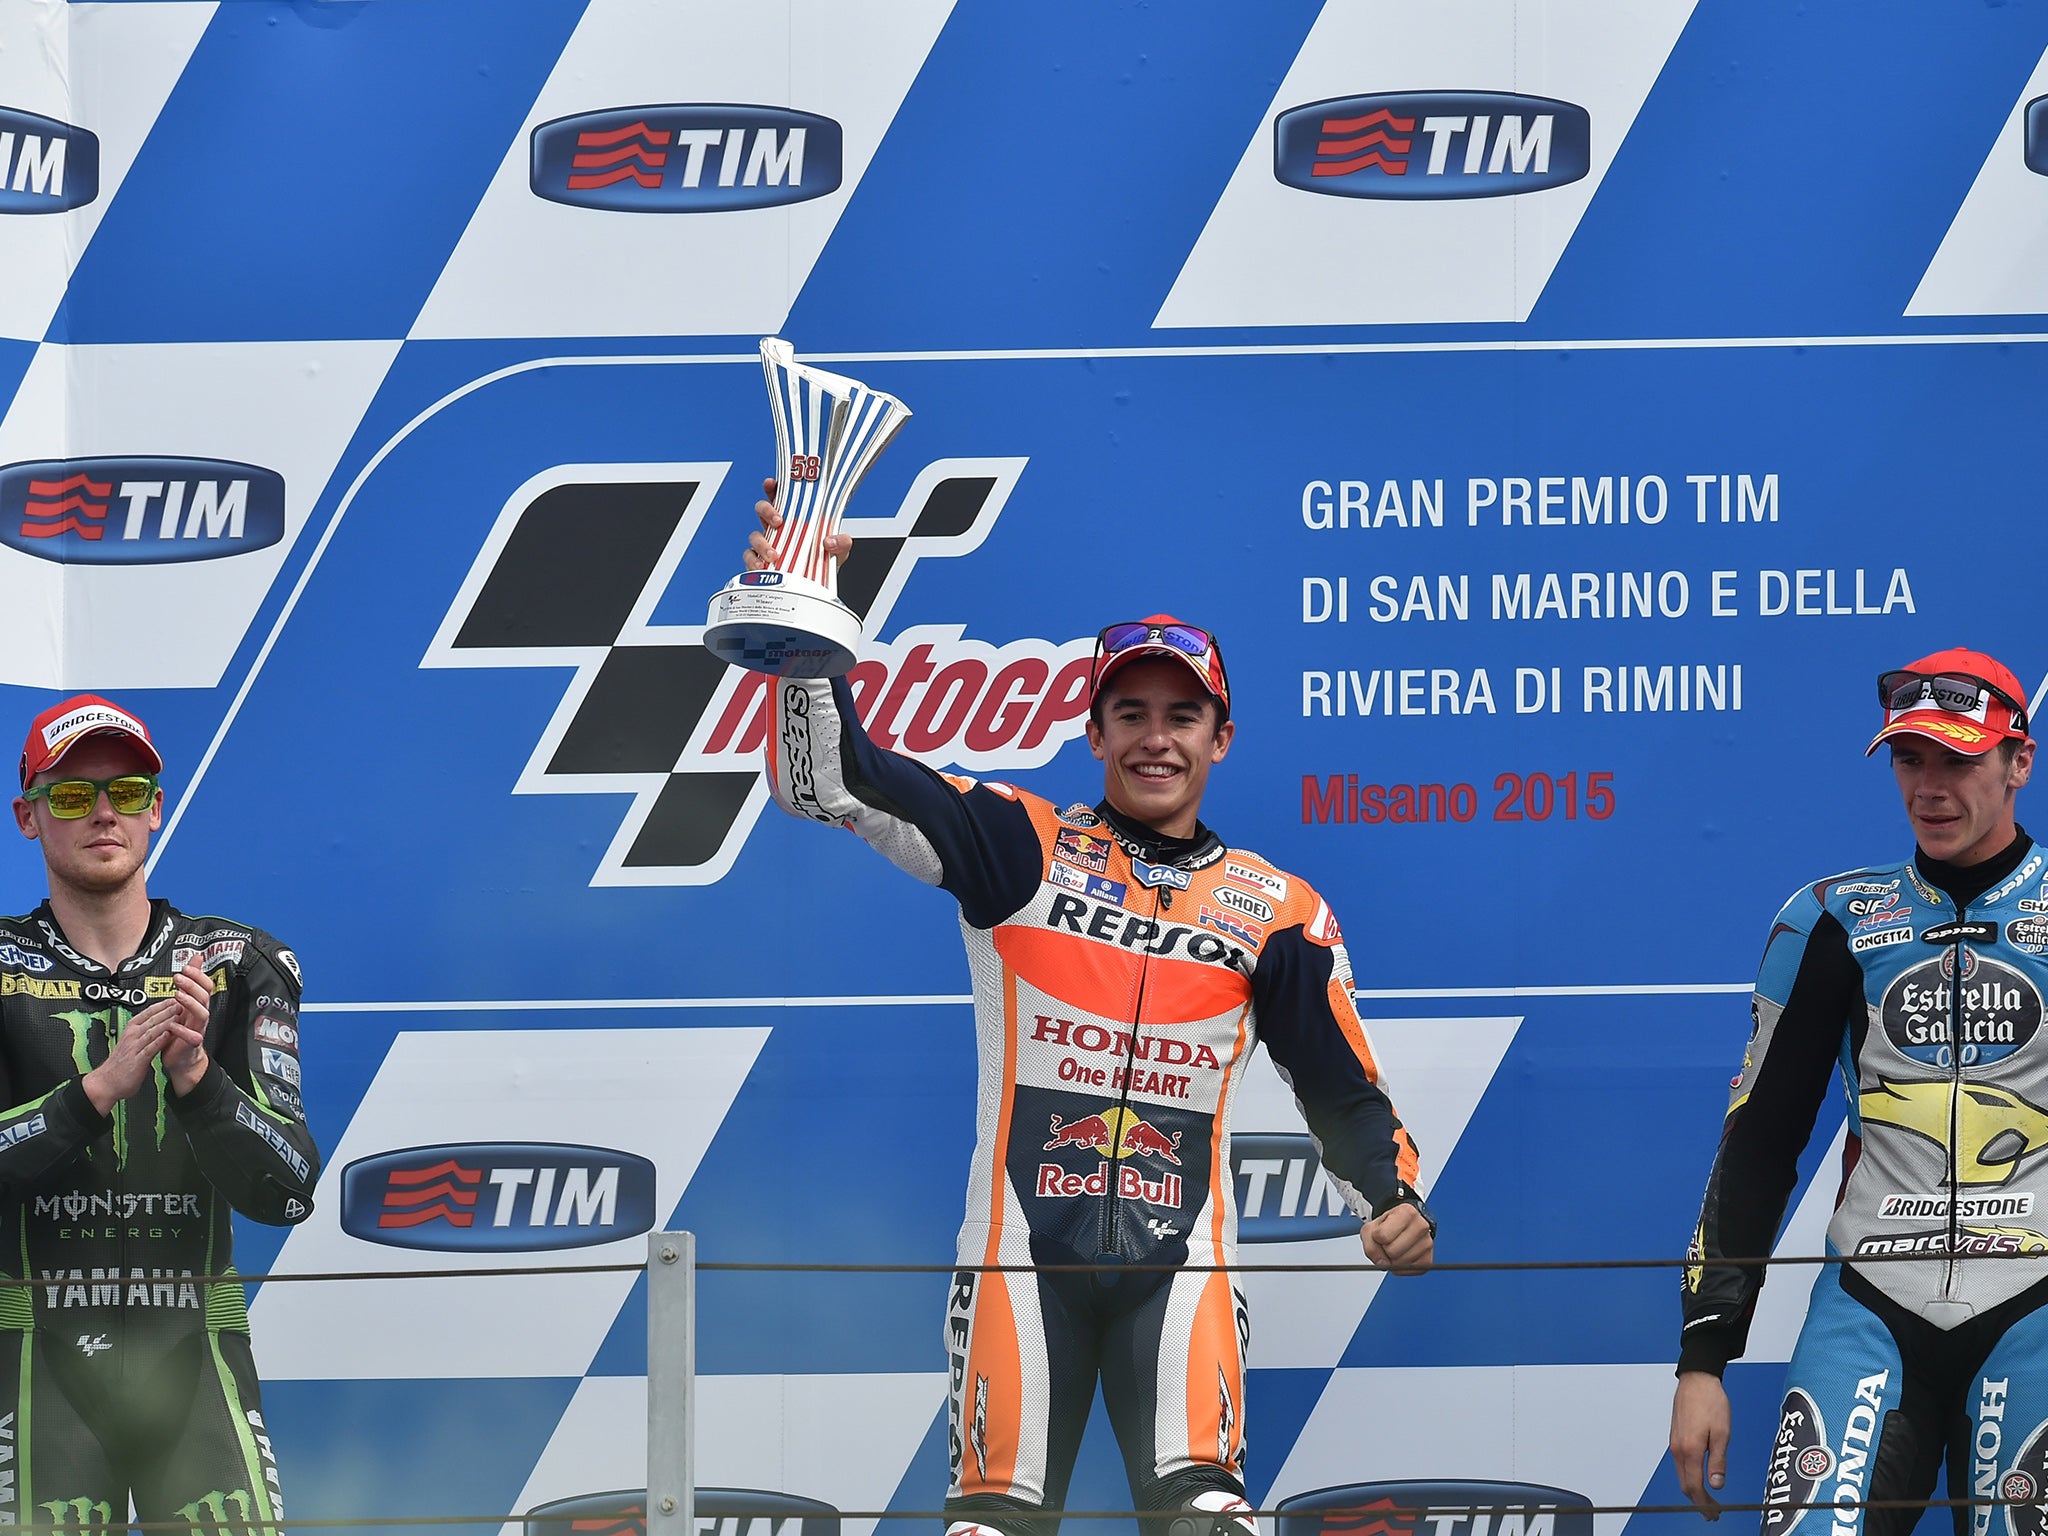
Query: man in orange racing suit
[(1125, 960)]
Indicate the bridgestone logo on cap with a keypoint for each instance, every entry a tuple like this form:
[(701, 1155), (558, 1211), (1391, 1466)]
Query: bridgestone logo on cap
[(92, 717)]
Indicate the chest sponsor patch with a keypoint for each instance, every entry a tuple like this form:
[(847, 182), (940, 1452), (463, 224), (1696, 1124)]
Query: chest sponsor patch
[(1085, 850), (1955, 933), (1257, 908), (1102, 889), (1972, 1007), (1275, 886), (1153, 876), (1881, 940), (26, 959)]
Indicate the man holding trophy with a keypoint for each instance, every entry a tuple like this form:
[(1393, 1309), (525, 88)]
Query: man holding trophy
[(1125, 960)]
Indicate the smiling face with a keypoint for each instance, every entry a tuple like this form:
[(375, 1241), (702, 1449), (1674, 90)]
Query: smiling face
[(1157, 735), (1961, 807), (102, 852)]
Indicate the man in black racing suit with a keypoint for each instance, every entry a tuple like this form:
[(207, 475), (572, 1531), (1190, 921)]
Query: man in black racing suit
[(1923, 980), (149, 1082), (1125, 962)]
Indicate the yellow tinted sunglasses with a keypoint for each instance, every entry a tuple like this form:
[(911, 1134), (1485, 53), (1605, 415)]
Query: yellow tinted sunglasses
[(71, 799)]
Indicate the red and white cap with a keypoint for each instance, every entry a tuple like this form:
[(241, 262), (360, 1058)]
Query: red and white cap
[(1973, 731), (63, 726), (1208, 666)]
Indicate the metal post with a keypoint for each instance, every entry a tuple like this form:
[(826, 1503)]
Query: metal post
[(671, 1383)]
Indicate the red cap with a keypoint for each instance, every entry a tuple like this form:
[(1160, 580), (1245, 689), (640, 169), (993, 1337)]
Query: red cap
[(1208, 666), (63, 726), (1973, 732)]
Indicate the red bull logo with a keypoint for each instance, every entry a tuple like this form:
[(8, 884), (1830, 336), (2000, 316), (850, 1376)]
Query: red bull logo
[(1095, 1133), (1130, 1184)]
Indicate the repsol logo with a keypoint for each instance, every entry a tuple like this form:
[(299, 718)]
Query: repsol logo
[(1432, 144), (45, 166), (1113, 925), (1421, 1508), (1283, 1194), (719, 1512), (155, 511), (686, 158), (497, 1198)]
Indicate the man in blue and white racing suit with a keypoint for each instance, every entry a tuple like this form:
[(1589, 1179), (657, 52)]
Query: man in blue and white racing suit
[(1927, 1345)]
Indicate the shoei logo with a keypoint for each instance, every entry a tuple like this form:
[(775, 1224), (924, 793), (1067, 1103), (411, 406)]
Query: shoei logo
[(686, 159), (695, 766), (139, 511), (1283, 1195), (511, 1197), (2037, 135), (719, 1512), (45, 166), (1432, 144), (1475, 1508)]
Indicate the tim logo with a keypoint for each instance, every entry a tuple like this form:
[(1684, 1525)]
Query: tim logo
[(510, 1197), (571, 574), (1474, 1508), (686, 159), (2037, 135), (45, 166), (1283, 1195), (139, 511), (719, 1512), (1432, 144)]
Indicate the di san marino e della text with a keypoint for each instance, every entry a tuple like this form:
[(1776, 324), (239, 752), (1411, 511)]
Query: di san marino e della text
[(1364, 520)]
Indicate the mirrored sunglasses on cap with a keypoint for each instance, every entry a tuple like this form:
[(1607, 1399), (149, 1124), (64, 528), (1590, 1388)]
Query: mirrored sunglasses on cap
[(1955, 693), (1160, 635)]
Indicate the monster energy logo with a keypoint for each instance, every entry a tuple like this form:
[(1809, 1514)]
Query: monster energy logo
[(210, 1516), (110, 1027), (65, 1512)]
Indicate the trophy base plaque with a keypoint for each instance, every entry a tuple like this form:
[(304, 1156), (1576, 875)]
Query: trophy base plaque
[(785, 625)]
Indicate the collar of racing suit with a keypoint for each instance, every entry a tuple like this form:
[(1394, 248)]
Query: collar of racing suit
[(1155, 847), (1964, 883)]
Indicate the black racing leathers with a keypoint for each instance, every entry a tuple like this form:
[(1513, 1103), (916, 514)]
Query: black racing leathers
[(131, 1370)]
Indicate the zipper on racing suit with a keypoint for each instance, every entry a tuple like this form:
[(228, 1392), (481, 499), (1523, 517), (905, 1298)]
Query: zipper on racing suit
[(1105, 1243), (1955, 1103)]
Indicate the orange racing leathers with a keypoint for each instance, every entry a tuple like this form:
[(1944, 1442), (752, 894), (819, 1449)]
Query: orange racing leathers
[(1120, 982)]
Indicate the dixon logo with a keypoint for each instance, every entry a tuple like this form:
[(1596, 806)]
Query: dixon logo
[(155, 511), (1432, 144), (45, 166), (497, 1198), (1473, 1507), (1283, 1195), (686, 159)]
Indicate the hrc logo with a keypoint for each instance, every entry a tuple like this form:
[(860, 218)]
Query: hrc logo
[(155, 511), (686, 159), (1432, 144)]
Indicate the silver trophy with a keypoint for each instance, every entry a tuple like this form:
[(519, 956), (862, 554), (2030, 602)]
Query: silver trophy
[(787, 620)]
